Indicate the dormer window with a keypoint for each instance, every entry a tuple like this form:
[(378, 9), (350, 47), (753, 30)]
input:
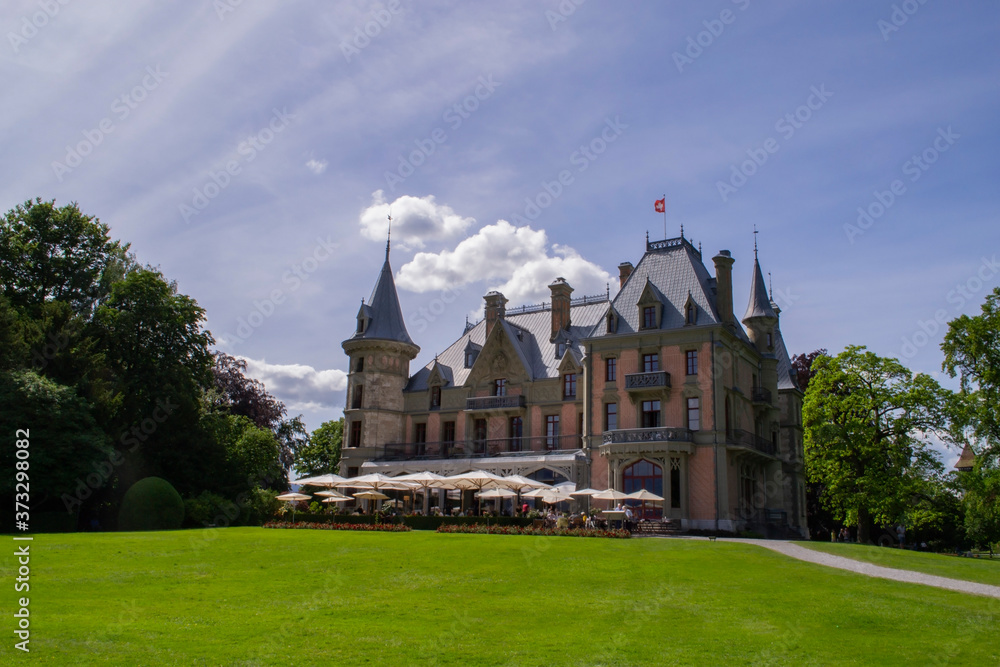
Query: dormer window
[(770, 340), (690, 314), (611, 323), (435, 398), (649, 317), (361, 325), (471, 353), (560, 349)]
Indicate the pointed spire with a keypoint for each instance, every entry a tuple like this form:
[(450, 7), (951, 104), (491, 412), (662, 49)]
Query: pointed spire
[(755, 232), (388, 235), (759, 305), (770, 287), (386, 317), (682, 230)]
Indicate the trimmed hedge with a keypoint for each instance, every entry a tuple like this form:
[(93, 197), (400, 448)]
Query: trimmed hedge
[(414, 522)]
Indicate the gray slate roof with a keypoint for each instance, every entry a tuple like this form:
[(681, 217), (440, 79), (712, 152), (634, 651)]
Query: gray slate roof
[(383, 308), (786, 379), (675, 271), (759, 304), (534, 350)]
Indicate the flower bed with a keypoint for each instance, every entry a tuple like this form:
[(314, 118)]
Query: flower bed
[(370, 527), (480, 529)]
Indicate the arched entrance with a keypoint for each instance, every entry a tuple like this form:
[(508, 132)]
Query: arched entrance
[(647, 475)]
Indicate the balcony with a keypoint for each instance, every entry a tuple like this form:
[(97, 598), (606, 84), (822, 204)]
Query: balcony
[(494, 402), (761, 395), (640, 381), (742, 438), (489, 447), (627, 435)]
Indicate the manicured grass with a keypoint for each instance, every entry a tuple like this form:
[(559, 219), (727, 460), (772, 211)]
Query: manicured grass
[(250, 596), (984, 571)]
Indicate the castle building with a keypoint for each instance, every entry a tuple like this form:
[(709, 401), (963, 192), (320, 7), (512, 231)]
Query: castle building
[(660, 387)]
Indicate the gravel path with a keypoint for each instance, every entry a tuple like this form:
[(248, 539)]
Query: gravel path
[(841, 563)]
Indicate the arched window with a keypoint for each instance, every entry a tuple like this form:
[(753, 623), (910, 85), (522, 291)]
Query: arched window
[(647, 475)]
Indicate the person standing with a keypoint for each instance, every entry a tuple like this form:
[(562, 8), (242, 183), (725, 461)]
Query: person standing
[(901, 534)]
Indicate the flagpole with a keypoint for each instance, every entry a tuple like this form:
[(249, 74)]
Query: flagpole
[(664, 215)]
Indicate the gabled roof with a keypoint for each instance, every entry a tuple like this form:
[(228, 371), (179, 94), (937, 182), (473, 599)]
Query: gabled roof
[(529, 332), (760, 304), (967, 461), (674, 269), (386, 317)]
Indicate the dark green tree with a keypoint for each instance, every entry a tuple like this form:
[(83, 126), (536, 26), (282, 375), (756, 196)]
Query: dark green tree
[(867, 420), (972, 350), (49, 253), (982, 504), (321, 454)]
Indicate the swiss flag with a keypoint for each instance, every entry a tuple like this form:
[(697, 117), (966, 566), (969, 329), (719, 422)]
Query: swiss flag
[(660, 205)]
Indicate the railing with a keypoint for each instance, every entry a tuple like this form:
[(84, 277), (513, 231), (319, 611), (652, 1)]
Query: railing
[(761, 395), (751, 441), (480, 448), (647, 380), (626, 435), (494, 402)]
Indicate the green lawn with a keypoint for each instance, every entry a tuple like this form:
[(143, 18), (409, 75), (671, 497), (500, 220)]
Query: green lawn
[(984, 571), (249, 596)]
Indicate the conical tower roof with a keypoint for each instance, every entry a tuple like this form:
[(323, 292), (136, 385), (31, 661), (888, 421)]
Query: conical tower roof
[(760, 304), (386, 317)]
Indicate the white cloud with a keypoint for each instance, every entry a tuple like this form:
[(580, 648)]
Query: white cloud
[(316, 166), (520, 256), (415, 220), (298, 386)]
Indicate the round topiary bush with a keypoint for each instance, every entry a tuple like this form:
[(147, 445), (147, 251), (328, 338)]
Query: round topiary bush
[(151, 504)]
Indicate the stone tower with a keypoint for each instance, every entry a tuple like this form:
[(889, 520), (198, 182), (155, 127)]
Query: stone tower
[(380, 353)]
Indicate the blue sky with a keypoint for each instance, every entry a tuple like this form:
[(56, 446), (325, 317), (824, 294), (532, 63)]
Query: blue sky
[(251, 151)]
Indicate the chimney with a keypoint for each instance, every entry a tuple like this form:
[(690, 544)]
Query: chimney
[(496, 309), (560, 305), (724, 286), (624, 271)]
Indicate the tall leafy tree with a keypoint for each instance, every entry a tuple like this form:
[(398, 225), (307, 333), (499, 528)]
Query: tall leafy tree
[(241, 395), (321, 454), (972, 350), (802, 364), (57, 253), (867, 421)]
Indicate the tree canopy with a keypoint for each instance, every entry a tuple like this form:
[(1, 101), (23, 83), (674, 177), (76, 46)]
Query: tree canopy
[(868, 420), (321, 454)]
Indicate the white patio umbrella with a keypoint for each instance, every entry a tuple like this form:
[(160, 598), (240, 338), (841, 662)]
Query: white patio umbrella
[(293, 498), (333, 496), (610, 494), (644, 495), (496, 493), (476, 479), (519, 483), (329, 480), (375, 481), (425, 480), (340, 499), (370, 495), (587, 493)]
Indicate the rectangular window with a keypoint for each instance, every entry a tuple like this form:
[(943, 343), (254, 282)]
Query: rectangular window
[(551, 431), (649, 317), (448, 432), (569, 385), (435, 397), (650, 363), (611, 369), (420, 432), (361, 364), (610, 416), (359, 391), (692, 362), (650, 414), (479, 431), (694, 414), (516, 429), (356, 434), (500, 387)]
